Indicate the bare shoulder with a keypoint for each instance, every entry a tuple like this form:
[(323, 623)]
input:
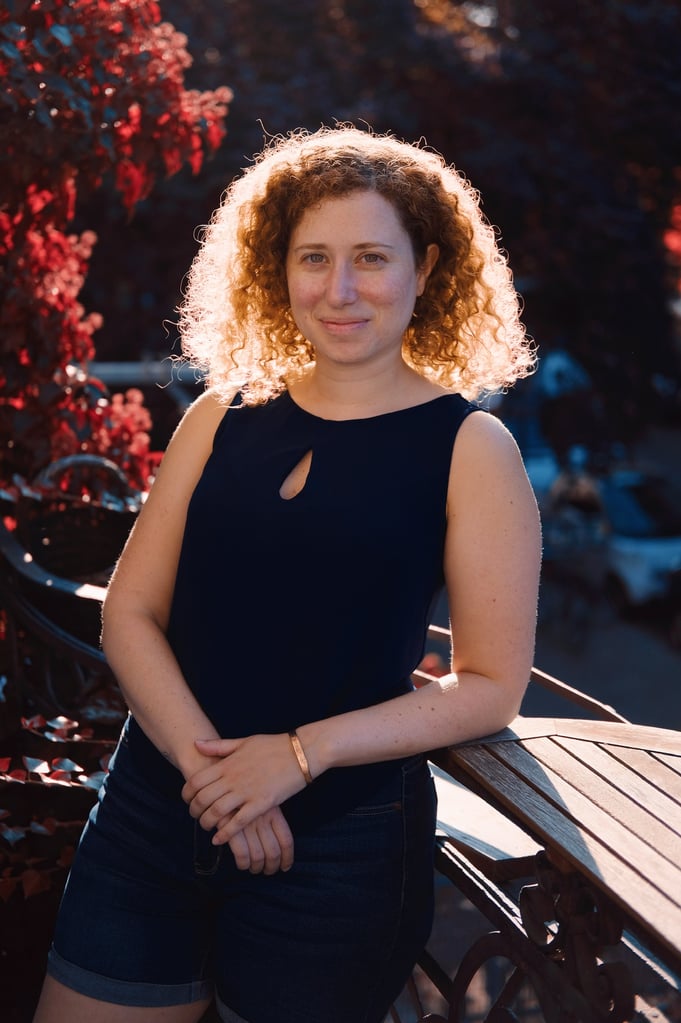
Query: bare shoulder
[(484, 445), (196, 430), (146, 567), (203, 415), (488, 482), (185, 457)]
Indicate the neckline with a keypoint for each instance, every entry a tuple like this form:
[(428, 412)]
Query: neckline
[(365, 419)]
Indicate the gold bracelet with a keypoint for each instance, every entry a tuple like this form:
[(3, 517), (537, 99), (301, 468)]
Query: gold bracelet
[(297, 747)]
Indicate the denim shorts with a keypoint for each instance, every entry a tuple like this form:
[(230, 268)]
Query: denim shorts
[(154, 915)]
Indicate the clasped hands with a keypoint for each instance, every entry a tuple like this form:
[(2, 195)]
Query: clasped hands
[(239, 794)]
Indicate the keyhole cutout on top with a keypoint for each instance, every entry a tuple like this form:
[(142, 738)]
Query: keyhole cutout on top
[(297, 478)]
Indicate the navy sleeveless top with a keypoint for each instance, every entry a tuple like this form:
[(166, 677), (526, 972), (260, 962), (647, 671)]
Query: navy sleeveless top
[(290, 611)]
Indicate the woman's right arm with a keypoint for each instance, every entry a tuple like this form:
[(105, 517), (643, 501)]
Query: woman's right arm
[(135, 619), (137, 606)]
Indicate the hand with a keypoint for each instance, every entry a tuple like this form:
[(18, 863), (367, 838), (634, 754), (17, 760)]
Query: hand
[(265, 845), (247, 778)]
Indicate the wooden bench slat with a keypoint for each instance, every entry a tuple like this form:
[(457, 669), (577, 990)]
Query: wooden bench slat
[(662, 797), (613, 733), (622, 841), (670, 761), (475, 825), (656, 768), (616, 789), (655, 911)]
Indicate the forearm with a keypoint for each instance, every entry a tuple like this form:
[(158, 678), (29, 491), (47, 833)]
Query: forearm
[(155, 690), (447, 711)]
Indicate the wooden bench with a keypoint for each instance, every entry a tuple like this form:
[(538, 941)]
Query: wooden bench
[(566, 835)]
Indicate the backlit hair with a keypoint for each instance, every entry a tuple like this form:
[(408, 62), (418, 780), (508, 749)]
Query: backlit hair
[(235, 319)]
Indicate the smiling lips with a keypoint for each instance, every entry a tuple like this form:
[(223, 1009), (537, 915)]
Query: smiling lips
[(336, 326)]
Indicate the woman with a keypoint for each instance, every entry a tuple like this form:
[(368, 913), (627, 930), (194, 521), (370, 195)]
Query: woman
[(266, 830)]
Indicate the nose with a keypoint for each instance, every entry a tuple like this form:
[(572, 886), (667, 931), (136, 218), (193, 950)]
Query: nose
[(341, 286)]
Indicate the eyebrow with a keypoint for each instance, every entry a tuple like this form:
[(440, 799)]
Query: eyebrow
[(360, 247)]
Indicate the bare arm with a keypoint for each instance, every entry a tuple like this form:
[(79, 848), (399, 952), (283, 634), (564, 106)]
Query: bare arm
[(135, 619), (492, 560), (137, 605)]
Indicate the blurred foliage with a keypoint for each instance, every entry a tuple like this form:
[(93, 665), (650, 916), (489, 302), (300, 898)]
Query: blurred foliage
[(565, 116), (91, 91)]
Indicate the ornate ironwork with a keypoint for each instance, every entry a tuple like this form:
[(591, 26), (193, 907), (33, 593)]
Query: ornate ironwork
[(576, 925), (553, 938)]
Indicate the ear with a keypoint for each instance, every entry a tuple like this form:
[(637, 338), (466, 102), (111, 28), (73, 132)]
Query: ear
[(424, 271)]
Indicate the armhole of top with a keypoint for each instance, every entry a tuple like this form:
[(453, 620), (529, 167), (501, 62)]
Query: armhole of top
[(466, 411), (221, 427)]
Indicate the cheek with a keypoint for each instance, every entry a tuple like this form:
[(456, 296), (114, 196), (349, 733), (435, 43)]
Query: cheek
[(397, 293), (301, 293)]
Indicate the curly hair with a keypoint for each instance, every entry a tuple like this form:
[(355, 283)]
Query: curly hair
[(235, 319)]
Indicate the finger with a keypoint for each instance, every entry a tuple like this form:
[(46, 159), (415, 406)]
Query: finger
[(284, 837), (206, 776), (216, 794), (256, 849), (224, 808), (240, 851), (270, 845), (234, 819)]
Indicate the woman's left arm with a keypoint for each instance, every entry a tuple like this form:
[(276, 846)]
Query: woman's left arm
[(492, 562)]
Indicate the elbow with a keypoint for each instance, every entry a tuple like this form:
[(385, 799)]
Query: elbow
[(503, 702), (499, 715), (510, 701), (511, 711), (125, 621)]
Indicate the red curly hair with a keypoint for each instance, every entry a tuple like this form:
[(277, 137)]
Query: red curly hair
[(235, 318)]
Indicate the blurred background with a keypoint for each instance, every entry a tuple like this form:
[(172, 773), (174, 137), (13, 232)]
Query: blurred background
[(567, 118), (122, 121)]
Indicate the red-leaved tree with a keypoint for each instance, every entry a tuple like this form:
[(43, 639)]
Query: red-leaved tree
[(93, 91)]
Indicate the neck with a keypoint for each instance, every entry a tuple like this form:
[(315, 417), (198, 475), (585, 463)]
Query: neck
[(336, 393)]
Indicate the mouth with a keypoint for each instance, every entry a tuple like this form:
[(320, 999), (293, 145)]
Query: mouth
[(342, 326)]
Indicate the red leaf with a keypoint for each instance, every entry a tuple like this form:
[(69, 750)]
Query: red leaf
[(66, 856), (38, 721), (35, 881)]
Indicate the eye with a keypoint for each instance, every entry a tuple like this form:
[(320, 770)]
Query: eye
[(372, 258), (313, 257)]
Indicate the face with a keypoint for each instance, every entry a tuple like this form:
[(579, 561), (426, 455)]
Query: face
[(353, 280)]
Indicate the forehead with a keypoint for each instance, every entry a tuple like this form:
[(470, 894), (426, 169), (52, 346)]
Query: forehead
[(359, 212)]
